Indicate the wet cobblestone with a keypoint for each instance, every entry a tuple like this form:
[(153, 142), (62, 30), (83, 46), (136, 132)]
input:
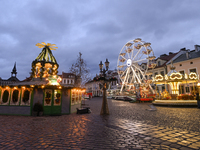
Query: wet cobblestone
[(129, 126)]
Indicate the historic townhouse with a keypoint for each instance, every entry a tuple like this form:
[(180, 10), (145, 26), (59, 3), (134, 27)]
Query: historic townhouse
[(186, 63)]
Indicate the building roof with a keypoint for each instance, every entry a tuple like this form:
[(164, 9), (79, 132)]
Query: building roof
[(166, 58), (46, 55), (27, 79), (192, 55), (32, 82), (15, 79), (67, 75)]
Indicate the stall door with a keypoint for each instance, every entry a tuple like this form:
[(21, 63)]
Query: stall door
[(52, 102)]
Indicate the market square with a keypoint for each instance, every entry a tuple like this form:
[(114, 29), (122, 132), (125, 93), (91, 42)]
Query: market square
[(102, 74), (129, 126)]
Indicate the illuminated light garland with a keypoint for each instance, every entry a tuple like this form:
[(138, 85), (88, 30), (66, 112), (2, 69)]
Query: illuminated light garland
[(176, 75), (193, 75), (175, 79), (174, 87), (159, 77)]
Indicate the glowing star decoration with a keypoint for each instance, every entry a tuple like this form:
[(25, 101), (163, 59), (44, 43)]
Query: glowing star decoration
[(43, 44)]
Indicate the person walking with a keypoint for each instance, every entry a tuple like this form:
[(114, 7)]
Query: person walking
[(198, 100)]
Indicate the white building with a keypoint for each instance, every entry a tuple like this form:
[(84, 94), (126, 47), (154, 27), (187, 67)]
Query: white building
[(95, 87)]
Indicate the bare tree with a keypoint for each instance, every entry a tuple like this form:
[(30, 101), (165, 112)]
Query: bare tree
[(80, 69)]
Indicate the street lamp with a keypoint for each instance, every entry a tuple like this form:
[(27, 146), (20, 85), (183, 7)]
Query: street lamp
[(104, 108)]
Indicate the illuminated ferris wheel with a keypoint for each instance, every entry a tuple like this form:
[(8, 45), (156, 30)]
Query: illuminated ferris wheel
[(135, 58)]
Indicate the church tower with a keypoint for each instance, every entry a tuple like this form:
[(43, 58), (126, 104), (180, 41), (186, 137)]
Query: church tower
[(14, 71)]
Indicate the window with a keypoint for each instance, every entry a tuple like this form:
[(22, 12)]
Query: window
[(26, 96), (47, 99), (15, 97), (180, 65), (193, 70), (5, 96), (67, 81), (163, 88), (182, 72), (80, 96), (181, 89), (162, 73), (64, 80), (57, 97), (191, 62), (158, 63), (77, 96), (73, 97), (155, 73), (187, 89)]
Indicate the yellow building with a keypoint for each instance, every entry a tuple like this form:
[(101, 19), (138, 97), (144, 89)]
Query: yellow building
[(186, 63)]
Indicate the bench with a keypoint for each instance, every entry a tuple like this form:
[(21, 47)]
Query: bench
[(83, 110)]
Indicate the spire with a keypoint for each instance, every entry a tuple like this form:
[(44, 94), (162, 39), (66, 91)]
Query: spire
[(14, 71)]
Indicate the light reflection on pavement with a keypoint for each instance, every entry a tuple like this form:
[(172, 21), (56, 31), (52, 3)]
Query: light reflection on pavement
[(129, 126)]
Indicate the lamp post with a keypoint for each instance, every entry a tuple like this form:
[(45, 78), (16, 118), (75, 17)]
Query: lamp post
[(104, 108)]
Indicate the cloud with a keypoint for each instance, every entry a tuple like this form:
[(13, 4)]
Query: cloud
[(97, 29)]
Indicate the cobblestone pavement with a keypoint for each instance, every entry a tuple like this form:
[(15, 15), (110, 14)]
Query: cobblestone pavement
[(129, 126)]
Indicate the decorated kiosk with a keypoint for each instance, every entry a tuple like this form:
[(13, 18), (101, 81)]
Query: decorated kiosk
[(44, 88)]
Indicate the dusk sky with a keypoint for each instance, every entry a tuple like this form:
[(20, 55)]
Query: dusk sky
[(96, 28)]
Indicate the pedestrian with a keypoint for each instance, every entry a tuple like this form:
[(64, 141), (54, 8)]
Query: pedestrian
[(198, 100)]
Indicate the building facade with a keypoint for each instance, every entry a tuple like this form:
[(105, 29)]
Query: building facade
[(185, 64), (95, 87)]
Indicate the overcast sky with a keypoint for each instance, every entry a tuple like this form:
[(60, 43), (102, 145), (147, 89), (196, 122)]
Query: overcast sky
[(96, 28)]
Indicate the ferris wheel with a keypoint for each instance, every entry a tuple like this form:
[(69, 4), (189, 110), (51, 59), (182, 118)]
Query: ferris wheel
[(135, 58)]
